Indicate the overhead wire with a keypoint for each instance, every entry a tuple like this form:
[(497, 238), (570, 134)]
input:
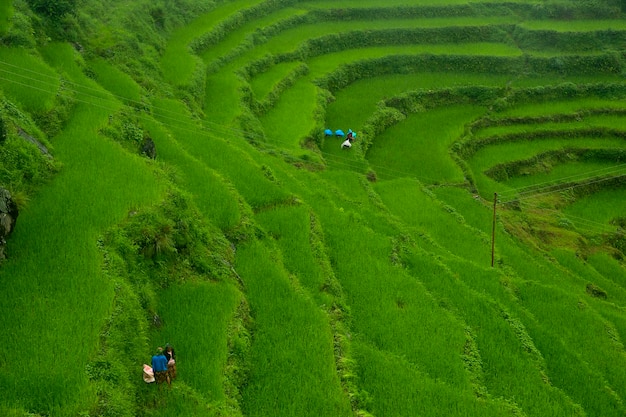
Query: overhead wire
[(587, 223), (175, 121), (559, 190), (549, 184), (164, 112), (215, 129)]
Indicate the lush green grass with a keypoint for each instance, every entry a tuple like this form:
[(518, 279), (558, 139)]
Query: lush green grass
[(418, 146), (573, 171), (563, 367), (6, 12), (290, 39), (391, 382), (292, 366), (575, 25), (419, 210), (587, 122), (116, 81), (389, 309), (212, 194), (292, 118), (241, 36), (568, 318), (196, 318), (178, 63), (216, 153), (601, 207), (364, 295), (63, 264), (354, 104), (221, 106), (265, 82), (510, 365), (329, 62), (608, 267), (28, 80), (490, 156), (512, 370), (475, 212), (291, 228), (377, 3), (544, 108)]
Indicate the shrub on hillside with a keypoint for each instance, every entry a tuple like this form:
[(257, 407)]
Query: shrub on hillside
[(24, 165), (53, 8), (21, 32)]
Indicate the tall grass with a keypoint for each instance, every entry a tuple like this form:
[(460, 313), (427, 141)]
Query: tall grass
[(544, 108), (56, 259), (195, 322), (391, 383), (28, 80), (609, 268), (215, 198), (291, 228), (241, 37), (490, 156), (290, 39), (419, 210), (606, 121), (6, 12), (287, 123), (355, 103), (419, 146), (292, 366), (221, 106), (329, 62), (218, 154), (601, 207), (582, 329), (116, 81), (561, 172), (433, 330), (178, 63), (378, 3), (575, 25), (265, 82), (391, 310), (511, 366)]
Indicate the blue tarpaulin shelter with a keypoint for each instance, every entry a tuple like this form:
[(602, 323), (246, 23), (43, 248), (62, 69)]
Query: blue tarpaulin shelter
[(328, 132), (339, 132)]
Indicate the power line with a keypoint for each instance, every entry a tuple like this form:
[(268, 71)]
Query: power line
[(536, 186), (221, 129), (588, 223), (564, 188), (230, 131), (218, 129)]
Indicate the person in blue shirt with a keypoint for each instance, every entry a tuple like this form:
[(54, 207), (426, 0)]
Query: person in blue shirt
[(159, 367)]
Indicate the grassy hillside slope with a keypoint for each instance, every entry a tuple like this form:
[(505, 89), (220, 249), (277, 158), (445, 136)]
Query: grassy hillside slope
[(188, 195)]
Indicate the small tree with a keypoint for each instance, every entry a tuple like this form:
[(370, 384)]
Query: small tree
[(54, 9)]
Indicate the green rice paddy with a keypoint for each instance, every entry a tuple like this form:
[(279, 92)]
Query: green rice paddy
[(293, 277)]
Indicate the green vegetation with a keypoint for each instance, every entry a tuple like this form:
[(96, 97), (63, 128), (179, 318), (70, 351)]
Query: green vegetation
[(175, 185), (6, 12)]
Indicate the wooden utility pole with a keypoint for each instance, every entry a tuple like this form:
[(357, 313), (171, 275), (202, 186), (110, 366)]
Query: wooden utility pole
[(493, 230)]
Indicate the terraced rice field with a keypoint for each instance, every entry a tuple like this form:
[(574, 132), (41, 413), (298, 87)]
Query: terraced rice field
[(363, 275)]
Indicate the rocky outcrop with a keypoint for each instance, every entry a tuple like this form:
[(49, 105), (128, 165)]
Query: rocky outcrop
[(34, 141), (148, 148), (8, 217)]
